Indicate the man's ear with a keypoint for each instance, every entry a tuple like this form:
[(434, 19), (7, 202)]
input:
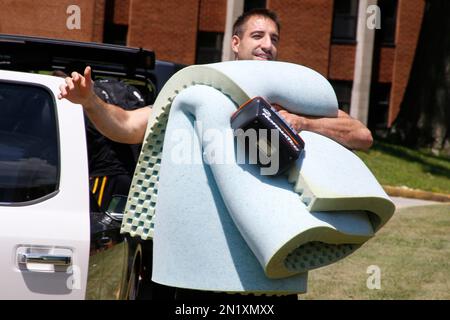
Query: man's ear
[(235, 41)]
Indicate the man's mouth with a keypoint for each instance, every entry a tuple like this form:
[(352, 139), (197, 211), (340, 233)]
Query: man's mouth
[(263, 56)]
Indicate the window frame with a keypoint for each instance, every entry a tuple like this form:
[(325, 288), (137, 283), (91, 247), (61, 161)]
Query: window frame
[(344, 40), (383, 41), (249, 5), (210, 50), (58, 144)]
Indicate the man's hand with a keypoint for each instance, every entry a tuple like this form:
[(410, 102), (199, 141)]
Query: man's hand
[(78, 89), (112, 121), (343, 129), (297, 122)]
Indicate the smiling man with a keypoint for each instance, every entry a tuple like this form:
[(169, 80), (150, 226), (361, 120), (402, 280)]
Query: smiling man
[(255, 36)]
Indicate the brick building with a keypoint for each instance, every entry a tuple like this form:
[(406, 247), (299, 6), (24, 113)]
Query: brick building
[(369, 69)]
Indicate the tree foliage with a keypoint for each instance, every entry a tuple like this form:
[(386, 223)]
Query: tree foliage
[(424, 116)]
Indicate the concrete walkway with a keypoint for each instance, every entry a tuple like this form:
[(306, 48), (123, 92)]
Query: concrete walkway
[(409, 202)]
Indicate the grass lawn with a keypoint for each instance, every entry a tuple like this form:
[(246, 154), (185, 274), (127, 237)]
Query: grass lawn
[(412, 251), (395, 165)]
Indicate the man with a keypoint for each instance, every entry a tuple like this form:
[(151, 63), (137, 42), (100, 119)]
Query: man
[(255, 37)]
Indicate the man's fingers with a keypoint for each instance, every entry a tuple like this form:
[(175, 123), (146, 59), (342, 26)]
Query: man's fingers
[(287, 116), (277, 106), (76, 77), (63, 91), (87, 75), (70, 84)]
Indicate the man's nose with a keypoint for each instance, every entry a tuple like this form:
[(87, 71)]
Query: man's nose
[(266, 43)]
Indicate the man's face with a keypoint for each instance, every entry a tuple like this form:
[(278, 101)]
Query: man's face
[(259, 40)]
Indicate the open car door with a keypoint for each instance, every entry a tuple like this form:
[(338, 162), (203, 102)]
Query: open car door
[(44, 203)]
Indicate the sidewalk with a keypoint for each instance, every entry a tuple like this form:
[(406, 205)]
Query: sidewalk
[(401, 202)]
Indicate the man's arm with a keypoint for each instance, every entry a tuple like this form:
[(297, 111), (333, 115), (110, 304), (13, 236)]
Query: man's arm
[(117, 124), (344, 129)]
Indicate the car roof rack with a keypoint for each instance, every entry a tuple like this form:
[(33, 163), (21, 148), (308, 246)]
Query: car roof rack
[(26, 53)]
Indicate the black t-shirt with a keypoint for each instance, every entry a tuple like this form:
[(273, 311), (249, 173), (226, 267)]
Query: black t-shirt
[(107, 157)]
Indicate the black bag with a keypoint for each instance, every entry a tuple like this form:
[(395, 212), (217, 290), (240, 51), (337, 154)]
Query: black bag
[(119, 93)]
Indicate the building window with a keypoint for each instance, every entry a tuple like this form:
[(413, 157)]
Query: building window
[(209, 47), (379, 107), (388, 9), (345, 17), (254, 4), (113, 33), (343, 90)]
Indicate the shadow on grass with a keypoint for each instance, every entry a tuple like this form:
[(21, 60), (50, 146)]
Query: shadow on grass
[(412, 251), (428, 161)]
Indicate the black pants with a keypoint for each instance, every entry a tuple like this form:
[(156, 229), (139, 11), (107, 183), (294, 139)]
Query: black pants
[(156, 291), (105, 187), (161, 292)]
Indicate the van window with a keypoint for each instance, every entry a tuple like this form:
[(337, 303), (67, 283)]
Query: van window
[(29, 155)]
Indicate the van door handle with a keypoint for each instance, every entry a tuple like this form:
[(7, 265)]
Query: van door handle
[(60, 260)]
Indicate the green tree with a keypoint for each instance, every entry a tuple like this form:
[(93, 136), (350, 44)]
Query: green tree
[(424, 116)]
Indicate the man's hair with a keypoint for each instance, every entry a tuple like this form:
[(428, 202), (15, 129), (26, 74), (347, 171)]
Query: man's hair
[(59, 73), (238, 26)]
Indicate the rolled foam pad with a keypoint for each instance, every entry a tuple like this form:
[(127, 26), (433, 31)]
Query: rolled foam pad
[(197, 244), (329, 177), (222, 226), (297, 88)]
